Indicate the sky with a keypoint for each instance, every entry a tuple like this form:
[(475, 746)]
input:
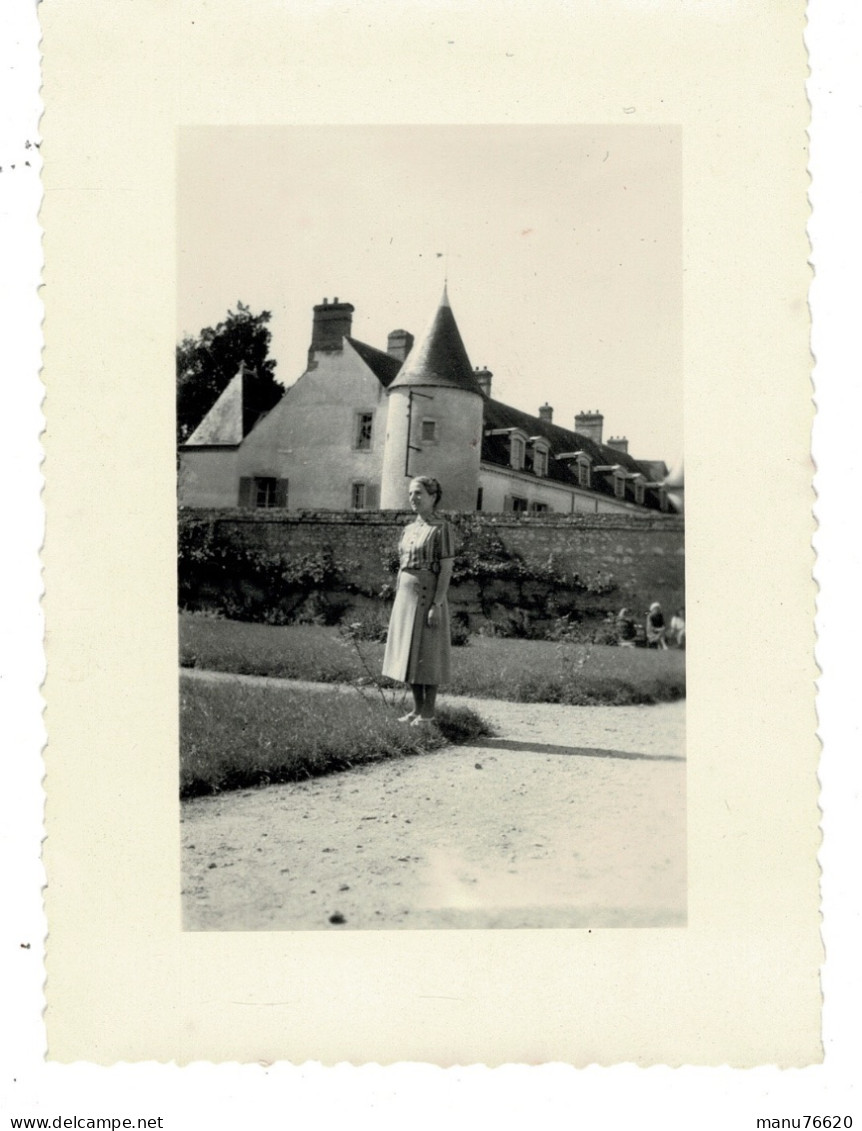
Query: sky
[(562, 247)]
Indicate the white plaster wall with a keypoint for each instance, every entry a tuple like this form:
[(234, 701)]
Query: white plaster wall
[(208, 478), (497, 483), (308, 437), (453, 458)]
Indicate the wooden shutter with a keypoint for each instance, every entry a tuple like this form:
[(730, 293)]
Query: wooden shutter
[(281, 493), (372, 496), (508, 503), (246, 492)]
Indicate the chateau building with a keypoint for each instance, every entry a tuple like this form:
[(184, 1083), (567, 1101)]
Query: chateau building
[(360, 423)]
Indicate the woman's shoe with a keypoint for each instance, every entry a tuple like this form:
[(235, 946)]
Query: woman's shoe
[(408, 718), (421, 721)]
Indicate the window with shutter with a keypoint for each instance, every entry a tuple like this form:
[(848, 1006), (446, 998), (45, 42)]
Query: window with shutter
[(364, 422), (357, 496), (264, 491), (246, 489)]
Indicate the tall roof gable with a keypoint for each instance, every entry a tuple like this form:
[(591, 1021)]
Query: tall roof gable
[(439, 359), (382, 365), (222, 425)]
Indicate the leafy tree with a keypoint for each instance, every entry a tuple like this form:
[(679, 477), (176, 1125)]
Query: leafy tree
[(206, 364)]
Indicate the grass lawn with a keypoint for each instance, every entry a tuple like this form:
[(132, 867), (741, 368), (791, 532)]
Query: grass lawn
[(233, 735), (526, 671)]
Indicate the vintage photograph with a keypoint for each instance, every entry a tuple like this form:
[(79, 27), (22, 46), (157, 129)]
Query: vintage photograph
[(431, 547), (408, 697)]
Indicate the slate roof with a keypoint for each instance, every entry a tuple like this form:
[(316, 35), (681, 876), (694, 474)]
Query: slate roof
[(654, 469), (382, 365), (222, 425), (495, 449), (439, 358), (233, 415), (676, 477)]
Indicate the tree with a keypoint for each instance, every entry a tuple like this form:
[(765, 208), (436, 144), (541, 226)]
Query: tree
[(206, 365)]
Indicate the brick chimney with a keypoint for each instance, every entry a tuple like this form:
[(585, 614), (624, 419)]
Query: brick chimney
[(483, 376), (332, 322), (400, 344), (619, 443), (590, 424), (546, 412)]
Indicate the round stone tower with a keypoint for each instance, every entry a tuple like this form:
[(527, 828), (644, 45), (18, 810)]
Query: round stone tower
[(434, 421)]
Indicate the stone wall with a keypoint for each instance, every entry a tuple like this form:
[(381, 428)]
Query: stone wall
[(621, 559)]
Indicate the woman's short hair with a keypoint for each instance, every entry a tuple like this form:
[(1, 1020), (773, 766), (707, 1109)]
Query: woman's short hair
[(432, 486)]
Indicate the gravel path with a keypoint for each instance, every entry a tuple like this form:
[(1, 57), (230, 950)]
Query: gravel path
[(569, 817)]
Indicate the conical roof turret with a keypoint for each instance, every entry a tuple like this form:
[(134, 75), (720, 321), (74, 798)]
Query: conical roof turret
[(674, 484), (439, 359)]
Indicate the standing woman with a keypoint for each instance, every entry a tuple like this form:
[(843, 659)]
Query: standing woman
[(419, 640)]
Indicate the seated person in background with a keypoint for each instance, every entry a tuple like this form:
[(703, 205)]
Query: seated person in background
[(625, 629), (677, 628), (655, 627)]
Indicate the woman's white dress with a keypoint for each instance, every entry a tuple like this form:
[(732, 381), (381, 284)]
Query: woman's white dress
[(414, 652)]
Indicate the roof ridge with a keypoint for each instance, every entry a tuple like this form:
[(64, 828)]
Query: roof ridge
[(383, 365), (550, 426), (366, 345)]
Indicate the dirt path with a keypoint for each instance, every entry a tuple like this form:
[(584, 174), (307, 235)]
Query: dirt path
[(571, 816)]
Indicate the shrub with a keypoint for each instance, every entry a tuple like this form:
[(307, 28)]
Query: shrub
[(246, 583), (460, 634), (565, 628), (366, 628)]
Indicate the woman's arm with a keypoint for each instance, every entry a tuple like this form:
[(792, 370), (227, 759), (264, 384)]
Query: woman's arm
[(443, 579)]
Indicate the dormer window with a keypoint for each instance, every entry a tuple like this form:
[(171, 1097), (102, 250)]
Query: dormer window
[(540, 456), (517, 445), (639, 491), (579, 464), (517, 449), (620, 485)]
